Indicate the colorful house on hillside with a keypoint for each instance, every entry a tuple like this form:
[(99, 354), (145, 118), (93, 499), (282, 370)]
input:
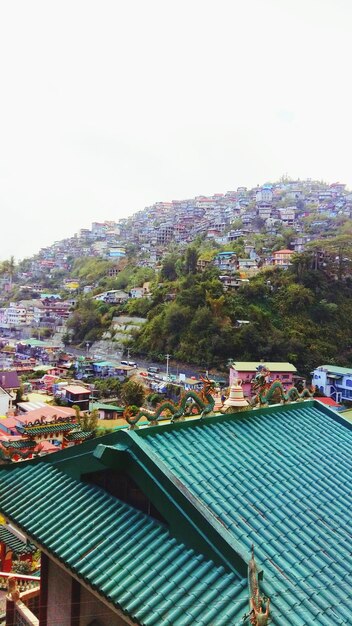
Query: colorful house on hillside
[(10, 383), (247, 370), (282, 258), (77, 395), (334, 382), (155, 526)]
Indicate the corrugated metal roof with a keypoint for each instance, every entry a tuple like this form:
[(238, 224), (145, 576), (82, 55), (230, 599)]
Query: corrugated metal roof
[(335, 369), (281, 479), (106, 407), (126, 556), (30, 406), (77, 389), (250, 366), (47, 411)]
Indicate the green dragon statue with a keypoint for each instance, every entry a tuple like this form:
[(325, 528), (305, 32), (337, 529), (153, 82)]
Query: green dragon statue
[(204, 403), (266, 391)]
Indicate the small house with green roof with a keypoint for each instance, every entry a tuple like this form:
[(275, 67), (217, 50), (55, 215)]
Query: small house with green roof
[(156, 526), (247, 370)]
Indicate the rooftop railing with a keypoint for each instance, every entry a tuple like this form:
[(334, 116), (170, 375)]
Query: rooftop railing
[(21, 600)]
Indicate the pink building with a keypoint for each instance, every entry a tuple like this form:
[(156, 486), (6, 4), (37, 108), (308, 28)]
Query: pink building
[(246, 371)]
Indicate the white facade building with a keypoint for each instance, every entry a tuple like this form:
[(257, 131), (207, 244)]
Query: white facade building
[(335, 382)]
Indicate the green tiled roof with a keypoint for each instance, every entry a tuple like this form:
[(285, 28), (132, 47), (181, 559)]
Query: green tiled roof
[(79, 435), (14, 543), (20, 444), (105, 364), (42, 430), (106, 407), (279, 478), (336, 370), (130, 559)]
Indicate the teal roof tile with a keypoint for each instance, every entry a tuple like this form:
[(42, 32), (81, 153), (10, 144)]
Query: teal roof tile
[(14, 543), (79, 435), (42, 430), (281, 479), (149, 575)]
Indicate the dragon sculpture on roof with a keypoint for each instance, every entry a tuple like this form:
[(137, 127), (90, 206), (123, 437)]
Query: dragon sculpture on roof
[(191, 403), (259, 613), (267, 391)]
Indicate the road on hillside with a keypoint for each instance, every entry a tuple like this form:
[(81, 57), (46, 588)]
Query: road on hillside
[(142, 364)]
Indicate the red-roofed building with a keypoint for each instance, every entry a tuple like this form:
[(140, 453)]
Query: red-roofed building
[(282, 258), (328, 402), (40, 431), (79, 395)]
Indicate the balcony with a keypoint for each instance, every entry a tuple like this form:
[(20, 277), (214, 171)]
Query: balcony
[(20, 606)]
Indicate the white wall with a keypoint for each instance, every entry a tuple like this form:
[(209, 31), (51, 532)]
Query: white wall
[(4, 403)]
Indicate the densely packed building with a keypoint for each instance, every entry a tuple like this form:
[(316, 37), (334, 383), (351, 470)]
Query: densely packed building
[(223, 218)]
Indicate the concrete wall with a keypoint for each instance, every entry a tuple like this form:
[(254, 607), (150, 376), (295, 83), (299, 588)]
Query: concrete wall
[(4, 403)]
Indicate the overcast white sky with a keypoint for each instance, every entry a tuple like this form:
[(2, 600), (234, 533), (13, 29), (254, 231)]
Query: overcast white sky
[(110, 105)]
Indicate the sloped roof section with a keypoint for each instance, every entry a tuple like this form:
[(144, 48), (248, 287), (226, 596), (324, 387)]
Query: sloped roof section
[(126, 556), (279, 478), (273, 366), (9, 379)]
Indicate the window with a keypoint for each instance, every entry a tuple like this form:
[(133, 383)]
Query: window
[(123, 487)]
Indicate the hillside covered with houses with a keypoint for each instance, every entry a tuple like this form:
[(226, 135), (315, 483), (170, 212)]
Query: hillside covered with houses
[(262, 272)]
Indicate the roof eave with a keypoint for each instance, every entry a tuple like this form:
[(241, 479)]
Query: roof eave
[(189, 519)]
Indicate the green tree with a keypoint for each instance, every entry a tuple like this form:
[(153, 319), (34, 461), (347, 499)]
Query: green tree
[(132, 393), (87, 420), (8, 268), (168, 268), (19, 395), (191, 259), (87, 322)]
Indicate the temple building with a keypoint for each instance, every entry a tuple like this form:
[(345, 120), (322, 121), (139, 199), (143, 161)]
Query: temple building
[(40, 431), (226, 520)]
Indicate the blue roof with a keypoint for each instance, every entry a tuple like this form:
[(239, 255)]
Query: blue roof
[(280, 479)]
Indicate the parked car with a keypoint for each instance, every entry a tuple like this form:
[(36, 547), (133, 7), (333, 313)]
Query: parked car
[(154, 370)]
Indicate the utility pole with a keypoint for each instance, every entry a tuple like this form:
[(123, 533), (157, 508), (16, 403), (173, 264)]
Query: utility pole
[(167, 365), (128, 354)]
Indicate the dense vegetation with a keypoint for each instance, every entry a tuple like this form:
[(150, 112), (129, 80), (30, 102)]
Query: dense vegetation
[(302, 314)]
